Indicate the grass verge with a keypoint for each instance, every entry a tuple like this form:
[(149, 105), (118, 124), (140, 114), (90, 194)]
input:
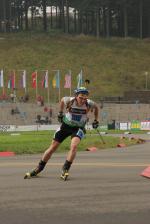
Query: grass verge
[(38, 142)]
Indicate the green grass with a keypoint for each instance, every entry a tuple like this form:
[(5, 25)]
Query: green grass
[(117, 131), (38, 142), (113, 65)]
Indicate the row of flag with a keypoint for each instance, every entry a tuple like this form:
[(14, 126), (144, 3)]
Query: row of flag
[(11, 83)]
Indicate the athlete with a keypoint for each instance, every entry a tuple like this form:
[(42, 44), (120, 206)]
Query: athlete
[(73, 123)]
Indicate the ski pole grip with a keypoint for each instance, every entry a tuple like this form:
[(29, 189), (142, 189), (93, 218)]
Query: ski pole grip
[(95, 124)]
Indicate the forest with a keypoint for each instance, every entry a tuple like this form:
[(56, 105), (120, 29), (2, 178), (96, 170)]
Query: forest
[(100, 18)]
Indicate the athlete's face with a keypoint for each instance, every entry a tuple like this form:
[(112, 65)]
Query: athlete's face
[(81, 98)]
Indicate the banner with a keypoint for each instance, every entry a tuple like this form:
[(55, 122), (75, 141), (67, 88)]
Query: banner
[(34, 80), (135, 125), (124, 126), (45, 80), (67, 81), (79, 79), (23, 79), (145, 125), (56, 80), (11, 81), (1, 79)]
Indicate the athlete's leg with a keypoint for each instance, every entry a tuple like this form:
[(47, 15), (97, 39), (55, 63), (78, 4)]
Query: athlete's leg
[(47, 155), (70, 157), (59, 136), (77, 135), (73, 149)]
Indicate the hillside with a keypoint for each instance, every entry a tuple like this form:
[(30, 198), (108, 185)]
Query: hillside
[(112, 65)]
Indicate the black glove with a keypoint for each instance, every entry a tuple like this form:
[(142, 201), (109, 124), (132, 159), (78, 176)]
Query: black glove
[(95, 124), (60, 117)]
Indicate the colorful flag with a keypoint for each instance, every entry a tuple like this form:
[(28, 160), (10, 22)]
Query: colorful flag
[(67, 81), (45, 80), (23, 79), (11, 81), (56, 80), (1, 79), (34, 80), (79, 79)]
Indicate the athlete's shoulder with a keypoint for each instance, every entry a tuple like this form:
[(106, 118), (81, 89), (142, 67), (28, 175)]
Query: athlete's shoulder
[(68, 99), (91, 103)]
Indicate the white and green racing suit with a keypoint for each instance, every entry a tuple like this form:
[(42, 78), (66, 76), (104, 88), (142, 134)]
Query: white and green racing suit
[(76, 116)]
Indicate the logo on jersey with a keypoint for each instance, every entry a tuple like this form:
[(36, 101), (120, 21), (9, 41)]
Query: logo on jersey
[(80, 133)]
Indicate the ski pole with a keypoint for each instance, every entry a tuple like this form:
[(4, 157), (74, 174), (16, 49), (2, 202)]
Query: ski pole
[(100, 136)]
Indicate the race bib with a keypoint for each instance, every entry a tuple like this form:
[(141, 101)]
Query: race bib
[(76, 117)]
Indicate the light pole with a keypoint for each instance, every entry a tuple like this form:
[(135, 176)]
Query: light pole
[(4, 15), (146, 79)]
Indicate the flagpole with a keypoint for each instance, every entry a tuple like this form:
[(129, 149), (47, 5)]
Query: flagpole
[(70, 81), (14, 87), (3, 82), (3, 88), (25, 77), (81, 77), (3, 91), (59, 85), (48, 101), (14, 78), (36, 85)]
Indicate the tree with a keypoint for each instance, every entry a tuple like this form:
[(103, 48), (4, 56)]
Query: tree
[(93, 17)]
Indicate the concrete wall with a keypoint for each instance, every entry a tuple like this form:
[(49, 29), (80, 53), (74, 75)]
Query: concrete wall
[(108, 112), (124, 112)]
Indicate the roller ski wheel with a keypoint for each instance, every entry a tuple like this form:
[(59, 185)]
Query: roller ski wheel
[(64, 175), (30, 175)]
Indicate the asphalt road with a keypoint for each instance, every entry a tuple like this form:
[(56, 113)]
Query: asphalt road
[(104, 187)]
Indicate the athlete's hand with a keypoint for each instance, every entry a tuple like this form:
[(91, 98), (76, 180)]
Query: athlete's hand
[(95, 124), (60, 117)]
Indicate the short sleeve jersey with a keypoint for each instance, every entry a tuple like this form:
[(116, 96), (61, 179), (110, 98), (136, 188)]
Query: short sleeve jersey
[(76, 116)]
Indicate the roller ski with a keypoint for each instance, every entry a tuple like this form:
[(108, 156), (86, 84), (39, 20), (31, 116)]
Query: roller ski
[(35, 172), (30, 174), (64, 175)]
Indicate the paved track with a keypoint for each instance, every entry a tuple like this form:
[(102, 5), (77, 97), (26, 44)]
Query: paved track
[(104, 188)]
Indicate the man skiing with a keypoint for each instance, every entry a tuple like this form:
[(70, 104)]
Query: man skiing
[(73, 124)]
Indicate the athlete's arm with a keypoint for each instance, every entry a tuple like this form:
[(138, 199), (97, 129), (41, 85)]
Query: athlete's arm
[(96, 112), (61, 108), (62, 105)]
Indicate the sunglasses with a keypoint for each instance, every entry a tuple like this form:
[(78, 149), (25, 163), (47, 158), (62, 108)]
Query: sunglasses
[(82, 98)]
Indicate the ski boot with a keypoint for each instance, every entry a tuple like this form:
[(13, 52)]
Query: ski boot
[(64, 175), (30, 174)]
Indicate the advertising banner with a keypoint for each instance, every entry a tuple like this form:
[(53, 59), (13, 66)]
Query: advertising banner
[(135, 125)]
